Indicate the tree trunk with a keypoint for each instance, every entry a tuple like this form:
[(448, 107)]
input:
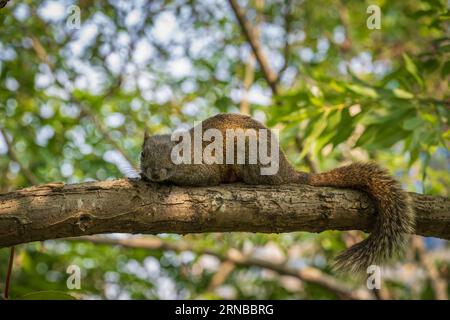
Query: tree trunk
[(132, 206)]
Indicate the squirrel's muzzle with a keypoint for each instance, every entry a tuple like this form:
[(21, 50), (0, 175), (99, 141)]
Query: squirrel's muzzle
[(156, 175)]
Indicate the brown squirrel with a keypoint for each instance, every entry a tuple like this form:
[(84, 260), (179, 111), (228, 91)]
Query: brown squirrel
[(395, 216)]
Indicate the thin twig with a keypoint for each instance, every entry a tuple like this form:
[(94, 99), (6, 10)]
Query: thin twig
[(344, 17), (250, 66), (438, 285), (13, 156), (287, 31), (268, 73), (248, 80), (252, 39), (221, 275), (33, 180), (8, 273)]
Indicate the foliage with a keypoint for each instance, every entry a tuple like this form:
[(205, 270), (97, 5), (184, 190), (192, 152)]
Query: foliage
[(347, 93)]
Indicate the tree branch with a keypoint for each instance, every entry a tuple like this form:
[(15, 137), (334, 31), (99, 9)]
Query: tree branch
[(249, 73), (132, 206), (235, 257), (438, 284), (252, 38), (13, 156), (287, 29), (32, 179)]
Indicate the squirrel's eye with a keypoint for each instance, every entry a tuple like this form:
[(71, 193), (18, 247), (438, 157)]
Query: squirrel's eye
[(142, 154)]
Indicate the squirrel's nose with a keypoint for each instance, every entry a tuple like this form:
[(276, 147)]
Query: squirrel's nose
[(151, 175), (157, 175)]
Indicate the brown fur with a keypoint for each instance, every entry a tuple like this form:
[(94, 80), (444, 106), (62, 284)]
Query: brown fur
[(395, 217)]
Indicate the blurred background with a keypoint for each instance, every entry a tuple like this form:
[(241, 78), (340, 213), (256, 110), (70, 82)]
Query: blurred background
[(343, 80)]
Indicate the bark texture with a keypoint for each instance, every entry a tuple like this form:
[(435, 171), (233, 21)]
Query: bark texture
[(131, 206)]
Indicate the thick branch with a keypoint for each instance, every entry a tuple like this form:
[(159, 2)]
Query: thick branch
[(131, 206)]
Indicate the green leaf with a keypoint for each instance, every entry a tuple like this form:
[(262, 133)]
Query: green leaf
[(431, 65), (445, 70), (445, 16), (395, 114), (414, 155), (344, 129), (444, 48), (313, 131), (412, 123), (47, 295), (402, 94), (365, 91), (412, 69), (421, 13), (389, 135), (434, 3), (368, 136)]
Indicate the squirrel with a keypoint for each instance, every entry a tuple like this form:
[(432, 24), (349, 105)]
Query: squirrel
[(395, 216)]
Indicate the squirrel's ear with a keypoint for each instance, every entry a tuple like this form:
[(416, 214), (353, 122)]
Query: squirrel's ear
[(146, 134)]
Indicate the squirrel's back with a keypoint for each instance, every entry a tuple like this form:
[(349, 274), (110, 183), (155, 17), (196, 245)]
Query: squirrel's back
[(224, 121)]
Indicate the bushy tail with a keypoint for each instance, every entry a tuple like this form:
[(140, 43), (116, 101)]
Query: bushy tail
[(395, 215)]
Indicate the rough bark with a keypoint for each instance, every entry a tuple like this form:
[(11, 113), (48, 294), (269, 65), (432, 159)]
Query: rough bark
[(132, 206)]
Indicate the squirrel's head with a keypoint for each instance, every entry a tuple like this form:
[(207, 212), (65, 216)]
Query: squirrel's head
[(156, 164)]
